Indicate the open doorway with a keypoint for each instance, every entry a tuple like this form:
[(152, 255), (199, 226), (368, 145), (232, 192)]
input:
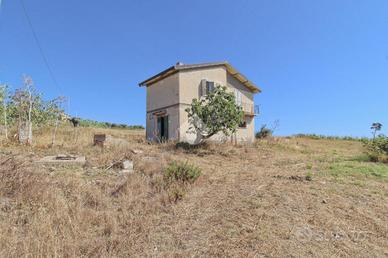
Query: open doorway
[(163, 128)]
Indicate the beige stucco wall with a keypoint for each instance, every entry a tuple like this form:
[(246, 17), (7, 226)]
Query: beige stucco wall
[(163, 96), (233, 83), (243, 134), (189, 88), (163, 93), (190, 81)]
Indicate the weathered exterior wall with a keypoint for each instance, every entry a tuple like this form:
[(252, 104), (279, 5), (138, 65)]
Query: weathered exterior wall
[(163, 96), (244, 134), (163, 93), (189, 88), (233, 83), (190, 81), (173, 124)]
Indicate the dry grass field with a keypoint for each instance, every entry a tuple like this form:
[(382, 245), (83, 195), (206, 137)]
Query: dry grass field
[(282, 197)]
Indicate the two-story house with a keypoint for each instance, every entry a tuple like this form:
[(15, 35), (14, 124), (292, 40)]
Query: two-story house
[(171, 91)]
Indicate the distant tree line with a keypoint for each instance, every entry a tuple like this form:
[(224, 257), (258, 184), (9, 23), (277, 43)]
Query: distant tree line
[(329, 137), (97, 124)]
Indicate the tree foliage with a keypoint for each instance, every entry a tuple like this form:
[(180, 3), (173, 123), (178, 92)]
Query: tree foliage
[(216, 112), (264, 132), (43, 112), (26, 108), (375, 127)]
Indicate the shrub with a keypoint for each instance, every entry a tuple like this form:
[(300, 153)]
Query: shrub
[(176, 193), (377, 149), (181, 172), (264, 132)]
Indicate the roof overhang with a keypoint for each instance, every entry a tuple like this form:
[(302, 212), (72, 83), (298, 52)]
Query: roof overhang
[(179, 67)]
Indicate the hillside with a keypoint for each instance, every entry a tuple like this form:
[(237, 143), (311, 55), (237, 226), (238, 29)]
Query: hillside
[(280, 197)]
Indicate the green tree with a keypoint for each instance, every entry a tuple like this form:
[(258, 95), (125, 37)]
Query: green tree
[(375, 127), (216, 112)]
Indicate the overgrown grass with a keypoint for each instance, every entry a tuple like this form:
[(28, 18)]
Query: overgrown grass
[(358, 169)]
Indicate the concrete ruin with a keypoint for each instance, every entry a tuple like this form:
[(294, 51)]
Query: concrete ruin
[(63, 159), (106, 140)]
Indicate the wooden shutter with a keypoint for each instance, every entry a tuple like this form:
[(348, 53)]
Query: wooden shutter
[(203, 87)]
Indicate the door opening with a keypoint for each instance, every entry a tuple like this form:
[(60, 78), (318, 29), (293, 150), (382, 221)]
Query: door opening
[(163, 128)]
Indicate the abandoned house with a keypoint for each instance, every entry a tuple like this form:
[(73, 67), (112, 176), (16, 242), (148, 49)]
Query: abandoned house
[(171, 91)]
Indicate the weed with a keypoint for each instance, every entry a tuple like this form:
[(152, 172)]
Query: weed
[(181, 172), (176, 193), (309, 176)]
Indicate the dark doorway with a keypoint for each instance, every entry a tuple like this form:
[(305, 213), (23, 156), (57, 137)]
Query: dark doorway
[(163, 127)]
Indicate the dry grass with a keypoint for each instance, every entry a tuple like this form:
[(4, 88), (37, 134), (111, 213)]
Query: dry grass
[(250, 201)]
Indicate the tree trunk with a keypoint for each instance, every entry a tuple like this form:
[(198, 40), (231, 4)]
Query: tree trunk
[(5, 120), (29, 140), (55, 132)]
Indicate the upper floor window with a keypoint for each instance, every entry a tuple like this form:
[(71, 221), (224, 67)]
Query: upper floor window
[(207, 87), (238, 96)]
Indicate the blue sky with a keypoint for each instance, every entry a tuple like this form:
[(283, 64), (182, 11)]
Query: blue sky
[(322, 65)]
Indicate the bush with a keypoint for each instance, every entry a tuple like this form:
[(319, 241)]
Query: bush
[(264, 132), (181, 172), (377, 149)]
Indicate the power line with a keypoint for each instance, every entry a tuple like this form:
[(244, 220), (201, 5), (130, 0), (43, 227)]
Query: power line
[(39, 46)]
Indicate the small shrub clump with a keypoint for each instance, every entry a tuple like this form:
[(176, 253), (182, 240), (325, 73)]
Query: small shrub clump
[(264, 132), (377, 149), (182, 172)]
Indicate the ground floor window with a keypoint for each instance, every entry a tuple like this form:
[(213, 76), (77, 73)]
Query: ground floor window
[(243, 124)]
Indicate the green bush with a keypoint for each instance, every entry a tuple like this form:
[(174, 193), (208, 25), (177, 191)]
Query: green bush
[(264, 132), (377, 149), (181, 172)]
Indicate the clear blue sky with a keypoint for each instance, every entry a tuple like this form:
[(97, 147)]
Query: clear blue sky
[(322, 65)]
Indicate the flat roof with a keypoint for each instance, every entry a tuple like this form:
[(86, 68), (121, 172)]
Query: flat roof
[(178, 67)]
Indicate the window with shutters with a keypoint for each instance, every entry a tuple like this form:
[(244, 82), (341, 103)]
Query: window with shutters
[(238, 96), (207, 87), (243, 124)]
